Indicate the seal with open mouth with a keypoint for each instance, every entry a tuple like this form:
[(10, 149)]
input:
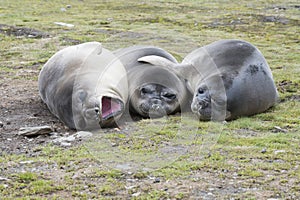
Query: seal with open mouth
[(85, 86)]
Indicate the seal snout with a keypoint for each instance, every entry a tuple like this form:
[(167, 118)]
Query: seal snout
[(200, 104), (156, 107)]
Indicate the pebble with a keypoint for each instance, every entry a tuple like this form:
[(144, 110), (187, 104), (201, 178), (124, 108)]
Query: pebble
[(35, 131), (263, 150), (65, 144), (54, 135), (156, 180), (279, 151), (279, 129), (1, 124), (59, 140), (67, 140), (136, 194), (83, 134), (70, 138), (3, 179), (64, 24), (27, 162)]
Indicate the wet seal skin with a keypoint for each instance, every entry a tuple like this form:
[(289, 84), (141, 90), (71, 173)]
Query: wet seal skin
[(228, 79), (85, 86), (154, 91)]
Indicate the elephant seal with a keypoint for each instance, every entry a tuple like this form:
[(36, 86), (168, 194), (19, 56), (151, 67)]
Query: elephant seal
[(228, 79), (85, 86), (153, 91)]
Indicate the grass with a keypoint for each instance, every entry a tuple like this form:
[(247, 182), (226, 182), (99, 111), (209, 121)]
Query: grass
[(245, 159)]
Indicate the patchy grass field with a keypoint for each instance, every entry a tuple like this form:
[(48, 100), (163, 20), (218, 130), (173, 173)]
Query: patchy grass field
[(169, 158)]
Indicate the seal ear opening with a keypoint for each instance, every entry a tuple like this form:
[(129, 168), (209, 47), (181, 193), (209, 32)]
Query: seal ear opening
[(111, 108)]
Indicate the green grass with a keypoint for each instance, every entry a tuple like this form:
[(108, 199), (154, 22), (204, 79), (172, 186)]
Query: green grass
[(226, 160)]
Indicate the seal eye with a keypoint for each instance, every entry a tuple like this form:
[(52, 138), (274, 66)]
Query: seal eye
[(97, 110), (146, 91), (200, 91), (170, 96)]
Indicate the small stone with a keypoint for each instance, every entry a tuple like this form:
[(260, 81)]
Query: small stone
[(83, 134), (63, 10), (71, 138), (279, 151), (263, 150), (68, 6), (64, 24), (3, 179), (114, 144), (35, 131), (156, 180), (27, 162), (54, 135), (130, 187), (65, 144), (279, 129), (1, 124), (136, 194)]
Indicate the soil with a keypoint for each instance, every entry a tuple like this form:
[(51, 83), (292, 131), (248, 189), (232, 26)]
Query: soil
[(21, 106)]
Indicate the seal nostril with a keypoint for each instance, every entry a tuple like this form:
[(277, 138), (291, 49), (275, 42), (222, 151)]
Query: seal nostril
[(155, 107)]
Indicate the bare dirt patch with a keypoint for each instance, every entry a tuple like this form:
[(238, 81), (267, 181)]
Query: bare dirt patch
[(22, 31), (21, 106)]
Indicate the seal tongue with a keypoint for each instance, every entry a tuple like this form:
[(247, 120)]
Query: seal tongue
[(110, 107)]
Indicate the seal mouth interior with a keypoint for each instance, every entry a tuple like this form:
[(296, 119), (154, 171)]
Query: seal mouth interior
[(111, 107)]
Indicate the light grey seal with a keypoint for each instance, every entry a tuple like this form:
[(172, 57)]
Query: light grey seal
[(85, 86), (154, 91), (228, 79)]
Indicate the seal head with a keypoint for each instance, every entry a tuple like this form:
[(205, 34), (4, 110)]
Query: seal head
[(154, 91), (85, 86)]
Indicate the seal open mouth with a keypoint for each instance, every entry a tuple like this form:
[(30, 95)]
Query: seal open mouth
[(111, 107)]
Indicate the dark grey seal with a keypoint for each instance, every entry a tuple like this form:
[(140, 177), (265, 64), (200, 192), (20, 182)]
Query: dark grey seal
[(228, 79), (154, 91)]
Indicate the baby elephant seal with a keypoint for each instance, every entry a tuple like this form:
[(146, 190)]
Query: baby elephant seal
[(85, 86), (154, 91), (228, 79)]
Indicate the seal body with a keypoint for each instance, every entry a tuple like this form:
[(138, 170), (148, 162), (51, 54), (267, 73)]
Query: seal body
[(228, 79), (85, 86), (154, 91)]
